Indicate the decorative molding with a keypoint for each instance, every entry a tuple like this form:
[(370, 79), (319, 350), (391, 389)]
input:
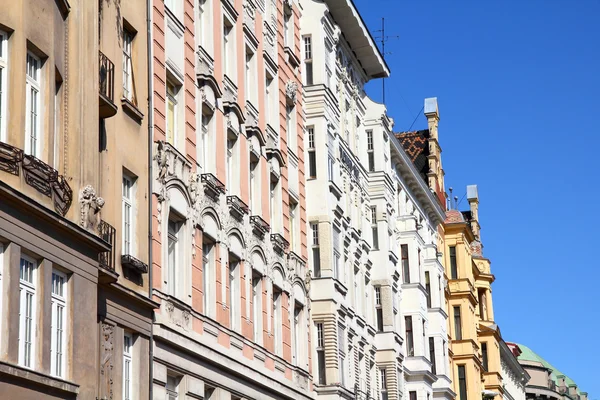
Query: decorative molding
[(106, 361), (90, 205), (291, 91)]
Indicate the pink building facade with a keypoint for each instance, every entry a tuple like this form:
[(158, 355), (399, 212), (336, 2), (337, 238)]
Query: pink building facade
[(229, 244)]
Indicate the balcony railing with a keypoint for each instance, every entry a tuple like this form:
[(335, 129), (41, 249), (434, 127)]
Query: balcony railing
[(107, 87), (10, 158), (237, 206), (279, 242), (107, 233), (39, 174), (129, 261), (62, 194), (259, 225), (212, 185)]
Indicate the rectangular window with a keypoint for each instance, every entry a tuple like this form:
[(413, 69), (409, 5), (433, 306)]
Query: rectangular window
[(289, 128), (453, 264), (321, 354), (342, 353), (432, 355), (308, 67), (294, 235), (484, 356), (257, 305), (127, 366), (378, 309), (288, 28), (370, 151), (58, 323), (269, 101), (336, 253), (228, 49), (206, 276), (172, 114), (234, 295), (312, 153), (173, 254), (412, 395), (316, 251), (33, 107), (410, 343), (374, 229), (457, 324), (277, 320), (462, 383), (330, 168), (27, 311), (254, 188), (127, 193), (3, 83), (127, 66), (405, 264), (172, 387), (298, 321), (428, 288), (383, 379)]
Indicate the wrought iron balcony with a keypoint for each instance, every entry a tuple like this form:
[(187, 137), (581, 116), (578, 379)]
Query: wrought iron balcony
[(279, 242), (107, 87), (62, 195), (129, 261), (107, 233), (10, 158), (237, 206), (212, 185), (259, 225), (39, 174)]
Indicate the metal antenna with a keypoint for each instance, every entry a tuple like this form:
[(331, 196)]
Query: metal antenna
[(384, 39)]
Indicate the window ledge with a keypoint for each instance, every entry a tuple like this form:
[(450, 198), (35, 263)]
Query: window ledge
[(292, 58), (131, 110), (17, 373)]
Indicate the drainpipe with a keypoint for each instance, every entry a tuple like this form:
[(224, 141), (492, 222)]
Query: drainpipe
[(150, 147)]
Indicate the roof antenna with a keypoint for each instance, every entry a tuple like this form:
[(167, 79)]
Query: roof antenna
[(450, 197), (384, 39)]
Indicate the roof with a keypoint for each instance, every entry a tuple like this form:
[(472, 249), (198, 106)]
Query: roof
[(352, 26), (453, 217), (416, 145), (529, 355)]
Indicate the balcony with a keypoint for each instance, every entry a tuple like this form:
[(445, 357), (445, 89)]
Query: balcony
[(38, 174), (259, 226), (10, 158), (279, 243), (133, 264), (107, 259), (237, 207), (107, 87), (213, 187)]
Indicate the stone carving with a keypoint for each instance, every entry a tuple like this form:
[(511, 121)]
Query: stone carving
[(170, 307), (291, 91), (162, 161), (106, 361), (337, 32), (90, 206)]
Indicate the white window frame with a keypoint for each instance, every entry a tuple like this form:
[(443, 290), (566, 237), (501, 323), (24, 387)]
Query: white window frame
[(277, 321), (172, 97), (33, 107), (3, 84), (27, 286), (59, 324), (207, 274), (229, 48), (257, 282), (205, 31), (171, 276), (127, 366), (127, 65), (127, 215), (308, 60), (234, 295)]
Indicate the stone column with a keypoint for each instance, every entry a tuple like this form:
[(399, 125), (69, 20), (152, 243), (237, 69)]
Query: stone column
[(10, 303), (44, 305)]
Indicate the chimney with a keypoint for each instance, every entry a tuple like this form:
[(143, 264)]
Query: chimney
[(473, 198), (583, 396), (436, 172)]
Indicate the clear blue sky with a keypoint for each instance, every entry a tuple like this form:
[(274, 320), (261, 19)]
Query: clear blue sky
[(518, 87)]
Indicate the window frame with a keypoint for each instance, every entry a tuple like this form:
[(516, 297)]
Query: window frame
[(378, 309), (409, 336), (316, 250), (173, 237), (58, 302), (127, 209), (128, 85), (312, 153), (320, 348), (127, 366), (462, 382), (3, 83), (207, 269), (27, 287), (405, 260), (457, 323), (374, 227), (308, 60), (172, 98), (453, 263), (370, 151), (432, 359), (33, 85)]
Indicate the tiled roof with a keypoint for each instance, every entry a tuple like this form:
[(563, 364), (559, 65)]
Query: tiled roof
[(416, 146), (454, 216)]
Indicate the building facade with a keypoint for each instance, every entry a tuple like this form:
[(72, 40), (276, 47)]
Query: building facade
[(229, 218), (419, 218), (76, 314), (514, 376)]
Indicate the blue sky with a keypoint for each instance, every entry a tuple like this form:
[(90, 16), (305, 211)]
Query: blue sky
[(518, 87)]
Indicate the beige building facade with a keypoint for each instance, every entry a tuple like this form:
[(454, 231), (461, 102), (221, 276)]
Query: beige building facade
[(76, 316)]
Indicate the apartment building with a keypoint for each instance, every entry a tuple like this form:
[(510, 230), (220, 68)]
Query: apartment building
[(420, 213), (229, 218), (356, 349), (75, 310), (514, 377)]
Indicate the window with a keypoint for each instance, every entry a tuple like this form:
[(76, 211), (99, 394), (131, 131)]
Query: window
[(412, 395), (255, 195), (308, 68), (127, 66), (207, 277), (316, 251), (312, 153), (3, 83), (330, 168), (206, 152), (228, 49), (58, 323), (274, 206), (405, 263), (342, 353), (410, 343), (482, 304), (288, 27), (294, 234), (298, 348), (453, 264), (370, 151), (374, 228), (457, 324), (383, 379), (484, 356), (378, 309), (321, 354), (290, 125), (250, 77), (127, 217), (336, 253), (172, 113), (231, 161), (127, 366), (277, 320), (33, 108), (428, 289), (234, 294), (257, 305), (173, 255), (270, 101), (462, 383), (172, 387), (432, 355), (27, 311)]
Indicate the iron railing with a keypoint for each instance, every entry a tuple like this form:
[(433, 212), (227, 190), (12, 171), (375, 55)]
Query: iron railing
[(237, 205), (259, 225), (129, 261), (107, 233), (39, 174), (107, 77), (10, 158), (279, 242), (212, 183)]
